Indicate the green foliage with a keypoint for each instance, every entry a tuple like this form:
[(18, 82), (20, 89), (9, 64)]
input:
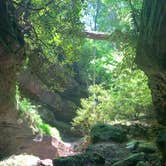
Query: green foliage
[(96, 108), (55, 29), (111, 63), (128, 98), (29, 113), (131, 94), (120, 89)]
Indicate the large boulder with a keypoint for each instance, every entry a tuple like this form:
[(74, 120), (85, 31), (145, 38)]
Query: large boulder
[(105, 132), (147, 147), (142, 163), (21, 160), (86, 159), (110, 151)]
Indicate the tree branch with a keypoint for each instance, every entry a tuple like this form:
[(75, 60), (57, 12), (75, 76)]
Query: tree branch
[(96, 35), (114, 36)]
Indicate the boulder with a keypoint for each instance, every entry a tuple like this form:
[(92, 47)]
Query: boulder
[(62, 104), (21, 160), (141, 146), (131, 160), (147, 147), (105, 132), (142, 163), (110, 151), (80, 160)]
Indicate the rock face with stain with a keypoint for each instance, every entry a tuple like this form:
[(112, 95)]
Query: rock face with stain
[(151, 57), (151, 53), (31, 85), (12, 54), (62, 104)]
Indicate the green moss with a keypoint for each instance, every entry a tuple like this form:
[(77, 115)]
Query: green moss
[(147, 147), (105, 132), (131, 160), (142, 163)]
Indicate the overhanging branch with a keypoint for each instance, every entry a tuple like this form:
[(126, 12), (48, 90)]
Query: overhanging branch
[(96, 35), (114, 36)]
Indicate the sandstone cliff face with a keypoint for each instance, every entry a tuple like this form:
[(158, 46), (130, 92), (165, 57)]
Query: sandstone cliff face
[(12, 133), (151, 58), (151, 53), (62, 105)]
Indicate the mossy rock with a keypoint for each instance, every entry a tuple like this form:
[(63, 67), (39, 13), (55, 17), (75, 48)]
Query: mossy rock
[(147, 147), (105, 132), (80, 160), (131, 160), (141, 146), (142, 163)]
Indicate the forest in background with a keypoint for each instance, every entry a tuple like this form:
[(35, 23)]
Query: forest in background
[(117, 89)]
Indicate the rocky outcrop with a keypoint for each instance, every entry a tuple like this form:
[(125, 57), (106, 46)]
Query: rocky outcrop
[(151, 53), (12, 132), (32, 86), (61, 104), (105, 132), (12, 55)]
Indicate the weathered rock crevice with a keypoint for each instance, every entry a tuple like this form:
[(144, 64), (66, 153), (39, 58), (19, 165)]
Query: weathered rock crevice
[(12, 133)]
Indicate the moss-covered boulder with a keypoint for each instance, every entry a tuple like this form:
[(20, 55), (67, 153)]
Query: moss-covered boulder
[(131, 160), (147, 147), (86, 159), (142, 163), (105, 132), (141, 146)]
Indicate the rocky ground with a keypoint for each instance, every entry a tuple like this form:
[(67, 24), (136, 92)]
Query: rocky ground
[(107, 146)]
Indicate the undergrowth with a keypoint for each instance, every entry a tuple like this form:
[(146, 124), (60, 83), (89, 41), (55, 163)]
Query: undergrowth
[(29, 113)]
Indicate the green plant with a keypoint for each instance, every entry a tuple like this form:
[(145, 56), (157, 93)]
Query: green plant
[(128, 98), (96, 108), (29, 112)]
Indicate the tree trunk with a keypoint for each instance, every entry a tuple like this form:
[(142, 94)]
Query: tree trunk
[(105, 35)]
